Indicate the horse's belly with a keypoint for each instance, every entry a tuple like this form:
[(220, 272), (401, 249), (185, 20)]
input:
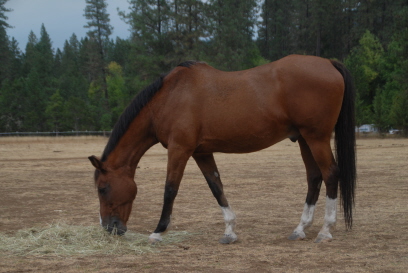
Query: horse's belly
[(242, 140), (229, 147)]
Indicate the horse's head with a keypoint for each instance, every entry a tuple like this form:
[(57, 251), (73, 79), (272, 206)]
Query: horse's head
[(116, 191)]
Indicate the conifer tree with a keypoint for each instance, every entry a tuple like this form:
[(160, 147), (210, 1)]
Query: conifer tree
[(45, 58), (100, 30), (150, 26), (5, 54), (55, 111), (275, 34), (232, 26), (16, 62), (30, 53), (189, 25), (3, 17)]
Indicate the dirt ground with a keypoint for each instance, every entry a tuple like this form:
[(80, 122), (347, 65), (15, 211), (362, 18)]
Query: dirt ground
[(43, 180)]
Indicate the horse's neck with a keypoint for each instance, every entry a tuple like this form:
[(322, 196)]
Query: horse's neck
[(134, 143)]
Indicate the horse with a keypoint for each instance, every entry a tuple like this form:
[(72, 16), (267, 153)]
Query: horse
[(196, 110)]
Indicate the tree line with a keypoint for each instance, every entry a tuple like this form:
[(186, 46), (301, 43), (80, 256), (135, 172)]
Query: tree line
[(86, 84)]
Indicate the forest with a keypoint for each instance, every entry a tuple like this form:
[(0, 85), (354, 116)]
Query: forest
[(86, 84)]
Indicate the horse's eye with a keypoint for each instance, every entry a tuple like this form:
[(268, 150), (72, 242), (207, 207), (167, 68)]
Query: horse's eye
[(103, 191)]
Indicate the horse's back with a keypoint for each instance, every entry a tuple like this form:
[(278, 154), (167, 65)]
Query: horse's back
[(252, 109)]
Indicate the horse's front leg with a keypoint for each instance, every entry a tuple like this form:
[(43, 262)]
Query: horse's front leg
[(177, 160), (208, 167)]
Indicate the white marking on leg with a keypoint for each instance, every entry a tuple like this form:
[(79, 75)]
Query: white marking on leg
[(306, 221), (229, 218), (100, 219), (330, 218), (155, 237), (216, 174)]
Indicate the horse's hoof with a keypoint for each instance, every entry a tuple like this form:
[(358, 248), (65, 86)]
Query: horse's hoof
[(323, 238), (228, 239), (296, 236), (155, 238)]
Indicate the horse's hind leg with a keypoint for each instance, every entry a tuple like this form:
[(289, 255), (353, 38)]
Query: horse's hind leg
[(323, 156), (207, 165), (314, 182)]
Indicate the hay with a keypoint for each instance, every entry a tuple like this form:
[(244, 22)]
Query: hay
[(66, 240)]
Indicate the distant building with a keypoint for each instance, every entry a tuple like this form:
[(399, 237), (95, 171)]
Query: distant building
[(367, 128)]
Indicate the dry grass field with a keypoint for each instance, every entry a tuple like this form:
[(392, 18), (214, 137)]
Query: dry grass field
[(46, 184)]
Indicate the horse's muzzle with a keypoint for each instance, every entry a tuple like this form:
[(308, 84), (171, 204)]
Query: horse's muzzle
[(115, 226)]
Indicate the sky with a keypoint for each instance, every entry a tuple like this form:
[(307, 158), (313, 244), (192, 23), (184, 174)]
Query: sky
[(61, 19)]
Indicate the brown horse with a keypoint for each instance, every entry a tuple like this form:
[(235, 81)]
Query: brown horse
[(197, 110)]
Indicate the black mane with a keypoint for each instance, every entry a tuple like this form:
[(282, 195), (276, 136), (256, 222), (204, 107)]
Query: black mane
[(187, 64), (129, 115), (133, 110)]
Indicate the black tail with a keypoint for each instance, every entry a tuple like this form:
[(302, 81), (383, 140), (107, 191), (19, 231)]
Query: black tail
[(346, 145)]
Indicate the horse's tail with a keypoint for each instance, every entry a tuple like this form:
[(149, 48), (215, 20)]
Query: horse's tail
[(346, 145)]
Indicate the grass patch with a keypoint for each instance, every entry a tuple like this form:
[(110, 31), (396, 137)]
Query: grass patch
[(66, 240)]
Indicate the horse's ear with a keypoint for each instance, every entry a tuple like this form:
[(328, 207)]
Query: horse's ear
[(96, 162)]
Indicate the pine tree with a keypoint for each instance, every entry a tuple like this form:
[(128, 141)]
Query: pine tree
[(5, 54), (189, 24), (40, 83), (13, 105), (72, 82), (150, 26), (45, 57), (30, 57), (16, 61), (321, 28), (275, 34), (378, 16), (118, 51), (148, 19), (232, 27), (3, 17), (57, 68), (35, 101), (55, 111), (79, 115), (100, 30)]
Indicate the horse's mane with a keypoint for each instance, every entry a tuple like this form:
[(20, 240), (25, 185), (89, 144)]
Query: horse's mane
[(134, 108), (129, 115), (188, 64)]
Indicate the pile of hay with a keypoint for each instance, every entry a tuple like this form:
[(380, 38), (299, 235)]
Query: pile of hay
[(64, 240)]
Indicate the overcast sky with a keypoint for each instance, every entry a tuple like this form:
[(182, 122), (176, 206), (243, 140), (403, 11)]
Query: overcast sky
[(61, 19)]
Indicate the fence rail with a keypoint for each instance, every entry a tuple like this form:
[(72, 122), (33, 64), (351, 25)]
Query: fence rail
[(54, 134)]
